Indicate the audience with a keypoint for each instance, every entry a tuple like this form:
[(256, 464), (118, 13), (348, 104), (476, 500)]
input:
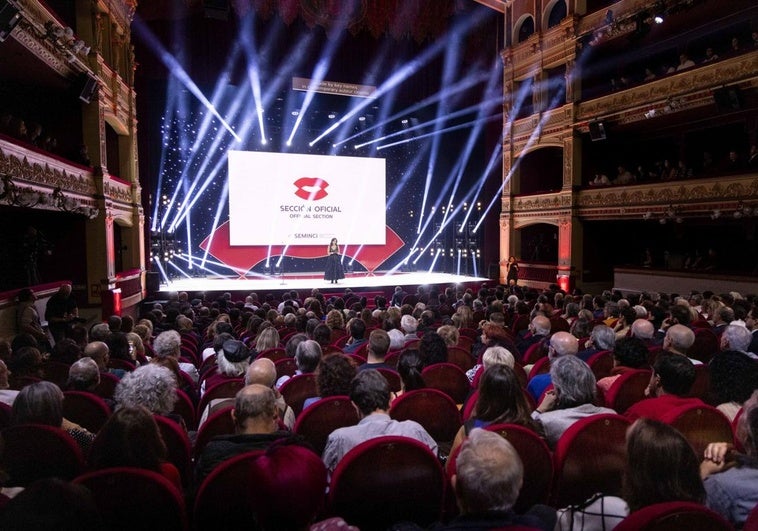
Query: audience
[(370, 393)]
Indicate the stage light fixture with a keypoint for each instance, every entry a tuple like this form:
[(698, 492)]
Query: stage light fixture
[(267, 269)]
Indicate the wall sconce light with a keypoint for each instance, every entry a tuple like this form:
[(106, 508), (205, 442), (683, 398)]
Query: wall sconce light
[(716, 214)]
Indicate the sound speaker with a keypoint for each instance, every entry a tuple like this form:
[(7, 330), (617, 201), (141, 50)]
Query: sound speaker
[(152, 282), (728, 98), (87, 87), (9, 18), (597, 131)]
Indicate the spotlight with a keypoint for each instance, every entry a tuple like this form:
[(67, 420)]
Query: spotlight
[(658, 19), (267, 269), (332, 116)]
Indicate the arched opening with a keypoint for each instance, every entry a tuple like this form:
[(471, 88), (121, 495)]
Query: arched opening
[(525, 29), (556, 13)]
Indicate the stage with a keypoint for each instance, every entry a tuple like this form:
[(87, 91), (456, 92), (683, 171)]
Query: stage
[(381, 281)]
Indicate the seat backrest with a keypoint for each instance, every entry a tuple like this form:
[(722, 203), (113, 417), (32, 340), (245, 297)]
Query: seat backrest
[(673, 516), (392, 358), (185, 409), (627, 390), (469, 332), (35, 451), (700, 425), (534, 353), (285, 367), (559, 324), (589, 457), (274, 354), (224, 389), (601, 363), (468, 407), (541, 366), (460, 357), (393, 379), (706, 345), (751, 524), (449, 379), (107, 385), (297, 389), (131, 498), (218, 423), (387, 480), (701, 387), (56, 372), (178, 446), (280, 488), (5, 415), (321, 418), (431, 408), (535, 456), (86, 409)]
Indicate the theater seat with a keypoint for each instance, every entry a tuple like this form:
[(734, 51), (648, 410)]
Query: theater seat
[(320, 419), (132, 498), (674, 516), (627, 390), (433, 409), (297, 389), (589, 457), (700, 425), (35, 451), (387, 480)]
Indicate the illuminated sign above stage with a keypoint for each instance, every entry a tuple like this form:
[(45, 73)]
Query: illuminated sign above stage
[(297, 199), (332, 87)]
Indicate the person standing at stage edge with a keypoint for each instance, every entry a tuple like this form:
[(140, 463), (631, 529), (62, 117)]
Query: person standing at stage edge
[(334, 270), (512, 271)]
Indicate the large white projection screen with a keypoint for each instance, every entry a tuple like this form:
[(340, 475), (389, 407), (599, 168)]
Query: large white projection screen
[(294, 199)]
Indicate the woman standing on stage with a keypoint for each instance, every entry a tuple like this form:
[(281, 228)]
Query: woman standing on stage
[(334, 270)]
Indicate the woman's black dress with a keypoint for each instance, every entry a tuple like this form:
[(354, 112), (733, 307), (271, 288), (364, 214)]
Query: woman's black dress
[(334, 270)]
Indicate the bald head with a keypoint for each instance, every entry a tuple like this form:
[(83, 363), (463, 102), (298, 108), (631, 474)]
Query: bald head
[(262, 371), (563, 344), (679, 339), (541, 325), (255, 410), (98, 351), (643, 329)]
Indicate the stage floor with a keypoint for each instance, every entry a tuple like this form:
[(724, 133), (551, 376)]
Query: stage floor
[(307, 282)]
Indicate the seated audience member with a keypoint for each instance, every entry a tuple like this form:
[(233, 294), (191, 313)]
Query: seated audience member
[(256, 427), (730, 478), (623, 327), (307, 358), (215, 330), (487, 481), (52, 504), (449, 334), (26, 362), (370, 393), (409, 325), (168, 344), (409, 367), (232, 360), (432, 349), (378, 346), (100, 353), (644, 330), (151, 386), (671, 380), (629, 354), (66, 351), (653, 451), (678, 340), (684, 63), (83, 375), (322, 334), (734, 377), (561, 344), (571, 399), (501, 401), (333, 377), (357, 336), (721, 319), (7, 395), (737, 337), (492, 356), (601, 338), (539, 330), (131, 438), (42, 403)]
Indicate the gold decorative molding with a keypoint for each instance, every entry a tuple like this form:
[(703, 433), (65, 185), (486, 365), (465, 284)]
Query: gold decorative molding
[(117, 191), (542, 202), (704, 77), (35, 168), (701, 191)]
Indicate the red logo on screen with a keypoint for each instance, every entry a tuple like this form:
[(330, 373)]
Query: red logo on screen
[(311, 188)]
